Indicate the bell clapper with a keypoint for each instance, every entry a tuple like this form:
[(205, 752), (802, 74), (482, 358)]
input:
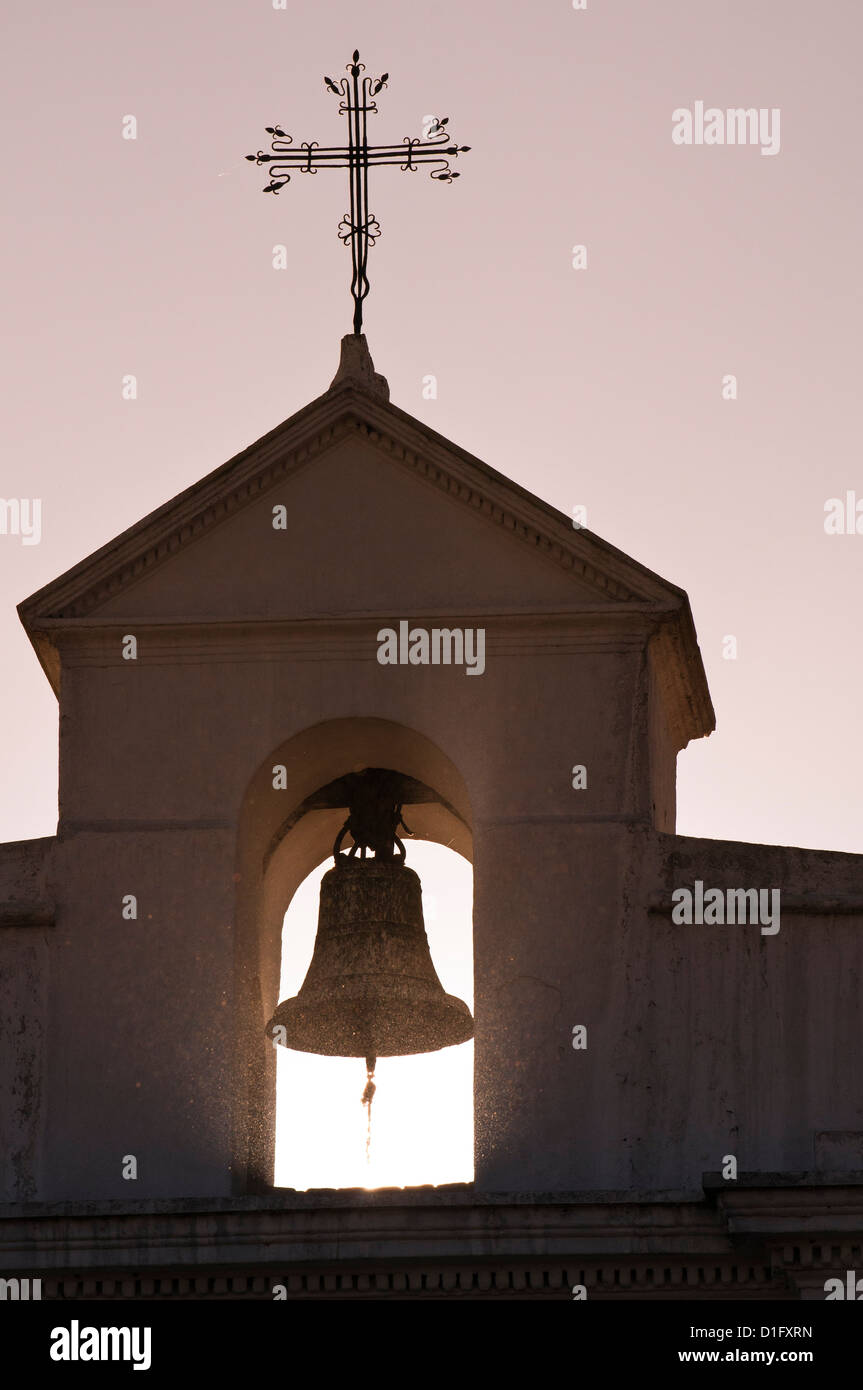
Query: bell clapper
[(368, 1096)]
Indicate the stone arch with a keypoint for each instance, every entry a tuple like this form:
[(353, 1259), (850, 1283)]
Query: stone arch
[(282, 835)]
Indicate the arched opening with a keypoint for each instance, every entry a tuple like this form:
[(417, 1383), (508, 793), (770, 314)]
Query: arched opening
[(421, 1124), (287, 825)]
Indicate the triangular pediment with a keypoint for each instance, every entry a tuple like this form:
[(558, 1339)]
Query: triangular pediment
[(358, 478), (382, 515)]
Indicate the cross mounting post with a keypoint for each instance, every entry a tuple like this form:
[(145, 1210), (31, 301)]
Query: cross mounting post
[(358, 226)]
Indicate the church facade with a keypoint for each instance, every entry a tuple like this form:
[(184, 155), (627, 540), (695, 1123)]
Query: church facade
[(666, 1027)]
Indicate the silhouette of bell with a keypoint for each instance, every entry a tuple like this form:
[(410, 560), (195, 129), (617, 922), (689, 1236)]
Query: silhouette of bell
[(371, 989)]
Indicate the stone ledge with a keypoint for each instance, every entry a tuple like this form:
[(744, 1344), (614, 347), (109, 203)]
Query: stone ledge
[(338, 1229)]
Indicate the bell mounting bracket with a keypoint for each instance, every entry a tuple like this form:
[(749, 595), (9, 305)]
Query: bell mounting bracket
[(374, 816)]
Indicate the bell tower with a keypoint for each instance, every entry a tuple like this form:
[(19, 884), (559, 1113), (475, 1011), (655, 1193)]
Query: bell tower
[(218, 640), (352, 625)]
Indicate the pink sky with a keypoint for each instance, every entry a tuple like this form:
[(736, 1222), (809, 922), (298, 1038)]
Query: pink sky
[(599, 387)]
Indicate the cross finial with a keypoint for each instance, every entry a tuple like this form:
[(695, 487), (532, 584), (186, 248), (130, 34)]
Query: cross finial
[(358, 227)]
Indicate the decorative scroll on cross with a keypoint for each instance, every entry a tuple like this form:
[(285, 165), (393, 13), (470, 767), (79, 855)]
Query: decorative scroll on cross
[(358, 227)]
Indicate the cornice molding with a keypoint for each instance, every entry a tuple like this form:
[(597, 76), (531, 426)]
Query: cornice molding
[(440, 1241), (686, 698)]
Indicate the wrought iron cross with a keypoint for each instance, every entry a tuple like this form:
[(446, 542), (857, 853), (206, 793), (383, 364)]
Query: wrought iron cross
[(358, 226)]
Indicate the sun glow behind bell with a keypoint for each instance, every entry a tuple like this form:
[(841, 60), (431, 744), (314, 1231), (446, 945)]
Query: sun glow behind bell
[(422, 1115)]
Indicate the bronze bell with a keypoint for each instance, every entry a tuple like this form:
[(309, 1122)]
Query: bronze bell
[(371, 989)]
